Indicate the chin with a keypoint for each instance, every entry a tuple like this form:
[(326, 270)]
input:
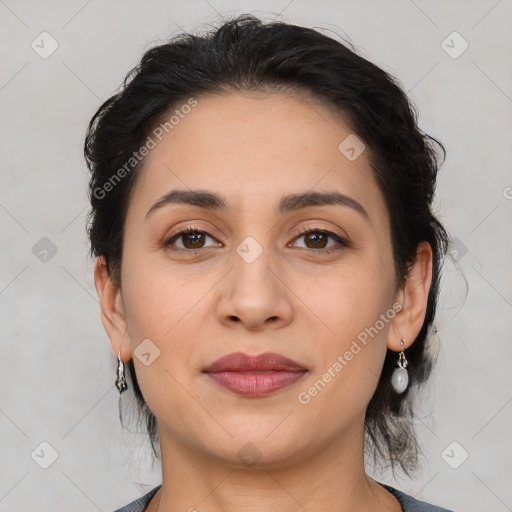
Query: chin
[(259, 450)]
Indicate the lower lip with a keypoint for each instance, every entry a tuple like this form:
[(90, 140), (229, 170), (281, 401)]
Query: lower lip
[(256, 383)]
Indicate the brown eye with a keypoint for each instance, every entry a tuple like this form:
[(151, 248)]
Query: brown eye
[(191, 239), (317, 240)]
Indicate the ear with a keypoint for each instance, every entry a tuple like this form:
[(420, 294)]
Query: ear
[(112, 310), (413, 297)]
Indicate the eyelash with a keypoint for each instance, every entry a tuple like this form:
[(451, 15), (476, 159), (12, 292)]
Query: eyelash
[(193, 229)]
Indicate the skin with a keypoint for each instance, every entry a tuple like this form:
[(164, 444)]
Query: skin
[(293, 300)]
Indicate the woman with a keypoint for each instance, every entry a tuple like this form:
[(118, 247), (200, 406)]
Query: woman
[(267, 266)]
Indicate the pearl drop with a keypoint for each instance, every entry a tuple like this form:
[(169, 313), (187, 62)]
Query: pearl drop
[(399, 380)]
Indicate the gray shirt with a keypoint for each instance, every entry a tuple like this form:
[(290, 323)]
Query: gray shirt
[(409, 504)]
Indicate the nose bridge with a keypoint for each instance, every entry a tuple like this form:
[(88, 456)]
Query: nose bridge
[(253, 294), (256, 245), (253, 266)]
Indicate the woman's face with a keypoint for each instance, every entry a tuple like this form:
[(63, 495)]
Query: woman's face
[(248, 279)]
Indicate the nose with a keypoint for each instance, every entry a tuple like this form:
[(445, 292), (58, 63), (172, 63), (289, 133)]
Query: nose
[(254, 296)]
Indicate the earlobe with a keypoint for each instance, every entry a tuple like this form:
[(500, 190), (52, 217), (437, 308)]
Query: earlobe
[(414, 298), (112, 310)]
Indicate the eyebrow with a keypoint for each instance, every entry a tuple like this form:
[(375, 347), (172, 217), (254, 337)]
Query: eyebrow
[(213, 201)]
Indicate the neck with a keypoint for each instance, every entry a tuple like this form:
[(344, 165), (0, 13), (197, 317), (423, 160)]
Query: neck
[(330, 480)]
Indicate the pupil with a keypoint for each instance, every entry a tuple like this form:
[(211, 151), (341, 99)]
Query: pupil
[(195, 238), (317, 238)]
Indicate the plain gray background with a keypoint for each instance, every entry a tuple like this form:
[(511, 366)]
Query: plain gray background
[(56, 365)]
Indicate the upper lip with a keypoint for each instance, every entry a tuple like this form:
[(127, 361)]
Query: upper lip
[(240, 362)]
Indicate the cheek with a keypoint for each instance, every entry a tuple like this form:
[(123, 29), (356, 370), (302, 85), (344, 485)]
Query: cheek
[(168, 308), (159, 301), (352, 299), (161, 308), (353, 313)]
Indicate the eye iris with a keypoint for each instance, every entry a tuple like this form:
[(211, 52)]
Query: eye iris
[(196, 238), (316, 238)]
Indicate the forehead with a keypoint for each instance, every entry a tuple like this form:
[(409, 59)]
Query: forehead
[(248, 146), (285, 125)]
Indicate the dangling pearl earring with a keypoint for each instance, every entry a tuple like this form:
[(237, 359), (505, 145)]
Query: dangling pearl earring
[(120, 381), (400, 377)]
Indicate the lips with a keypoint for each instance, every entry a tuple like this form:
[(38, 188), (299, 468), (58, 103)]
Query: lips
[(240, 362), (255, 375)]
